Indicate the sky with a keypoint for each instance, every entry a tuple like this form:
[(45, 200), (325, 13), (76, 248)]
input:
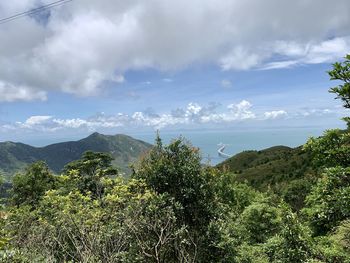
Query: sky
[(116, 66)]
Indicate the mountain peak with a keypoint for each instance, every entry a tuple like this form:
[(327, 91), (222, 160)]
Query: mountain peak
[(95, 134), (124, 149)]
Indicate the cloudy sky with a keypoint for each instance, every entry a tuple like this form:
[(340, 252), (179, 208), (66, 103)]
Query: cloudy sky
[(119, 66)]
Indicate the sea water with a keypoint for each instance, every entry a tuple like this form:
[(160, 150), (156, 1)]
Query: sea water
[(236, 141)]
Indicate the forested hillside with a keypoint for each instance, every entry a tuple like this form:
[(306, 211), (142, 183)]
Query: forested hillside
[(271, 167), (124, 149), (175, 209)]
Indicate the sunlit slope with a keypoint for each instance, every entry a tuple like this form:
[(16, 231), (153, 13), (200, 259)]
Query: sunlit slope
[(125, 150), (269, 167)]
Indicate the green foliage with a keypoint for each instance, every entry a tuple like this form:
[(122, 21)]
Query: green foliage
[(342, 235), (87, 173), (176, 170), (124, 150), (29, 187), (251, 254), (2, 188), (295, 192), (175, 209), (293, 244), (260, 221), (233, 196), (341, 72), (328, 203), (272, 168), (224, 234), (332, 149), (329, 249), (129, 224), (3, 234)]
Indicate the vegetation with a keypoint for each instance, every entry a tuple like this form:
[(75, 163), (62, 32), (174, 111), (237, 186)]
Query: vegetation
[(274, 167), (14, 157), (277, 205)]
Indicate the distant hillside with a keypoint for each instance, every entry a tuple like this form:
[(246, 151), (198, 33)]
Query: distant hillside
[(16, 156), (272, 167)]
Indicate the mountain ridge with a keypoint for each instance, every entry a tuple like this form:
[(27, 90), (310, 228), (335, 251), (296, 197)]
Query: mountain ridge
[(15, 156), (271, 167)]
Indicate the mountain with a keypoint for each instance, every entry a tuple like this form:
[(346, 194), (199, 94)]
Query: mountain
[(274, 167), (125, 150)]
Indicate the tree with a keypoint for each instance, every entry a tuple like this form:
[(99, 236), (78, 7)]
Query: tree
[(87, 173), (30, 186), (176, 169), (332, 149), (260, 221), (234, 196), (130, 223), (293, 244), (341, 72), (334, 247), (342, 236), (328, 202), (296, 191)]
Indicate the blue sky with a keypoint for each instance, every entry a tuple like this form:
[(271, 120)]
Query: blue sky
[(117, 67)]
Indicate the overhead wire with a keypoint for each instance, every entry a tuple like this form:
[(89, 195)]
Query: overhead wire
[(33, 11)]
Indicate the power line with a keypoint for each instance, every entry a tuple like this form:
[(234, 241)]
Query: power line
[(33, 11)]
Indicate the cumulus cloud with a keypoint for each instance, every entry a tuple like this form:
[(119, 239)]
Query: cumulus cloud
[(38, 122), (193, 113), (70, 123), (275, 114), (86, 42), (35, 120), (241, 110)]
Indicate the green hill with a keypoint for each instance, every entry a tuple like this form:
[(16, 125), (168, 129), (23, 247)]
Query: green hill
[(125, 149), (270, 168)]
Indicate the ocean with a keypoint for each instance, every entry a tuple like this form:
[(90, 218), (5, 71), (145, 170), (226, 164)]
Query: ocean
[(236, 141)]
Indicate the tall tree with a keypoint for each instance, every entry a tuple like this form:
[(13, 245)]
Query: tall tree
[(30, 186), (341, 72), (88, 172), (176, 169)]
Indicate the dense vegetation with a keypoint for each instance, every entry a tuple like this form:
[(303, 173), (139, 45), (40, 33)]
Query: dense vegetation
[(174, 209), (14, 157), (287, 172)]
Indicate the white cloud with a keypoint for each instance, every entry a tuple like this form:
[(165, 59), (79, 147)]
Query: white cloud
[(280, 64), (193, 115), (193, 109), (275, 114), (309, 53), (10, 92), (88, 42), (36, 120), (70, 123), (241, 111), (318, 112), (240, 59)]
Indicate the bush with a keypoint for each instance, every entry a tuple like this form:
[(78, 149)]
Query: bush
[(328, 202)]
